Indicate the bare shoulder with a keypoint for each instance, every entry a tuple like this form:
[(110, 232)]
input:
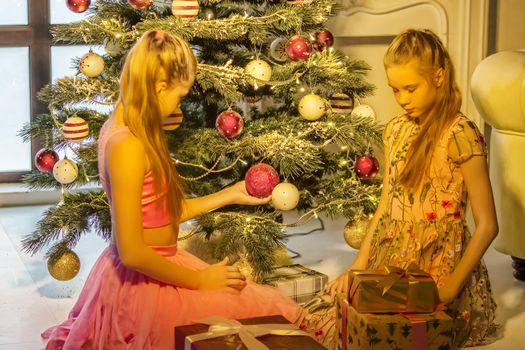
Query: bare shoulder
[(125, 152)]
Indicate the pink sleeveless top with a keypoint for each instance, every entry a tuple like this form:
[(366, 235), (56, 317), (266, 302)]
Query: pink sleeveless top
[(155, 211)]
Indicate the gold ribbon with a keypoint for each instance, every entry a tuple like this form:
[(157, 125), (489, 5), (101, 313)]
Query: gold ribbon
[(396, 273), (247, 333)]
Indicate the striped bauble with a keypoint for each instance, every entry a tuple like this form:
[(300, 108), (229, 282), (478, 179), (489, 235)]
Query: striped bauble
[(75, 129), (341, 103), (173, 121), (297, 2), (185, 8)]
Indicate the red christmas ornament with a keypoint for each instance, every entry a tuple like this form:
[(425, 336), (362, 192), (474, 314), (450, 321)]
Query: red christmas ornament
[(140, 4), (298, 48), (260, 180), (366, 167), (323, 39), (78, 6), (45, 160), (229, 123)]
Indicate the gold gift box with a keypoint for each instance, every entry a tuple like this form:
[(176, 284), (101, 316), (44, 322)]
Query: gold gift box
[(392, 290)]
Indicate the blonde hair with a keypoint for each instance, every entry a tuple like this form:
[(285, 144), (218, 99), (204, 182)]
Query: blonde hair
[(156, 56), (429, 52)]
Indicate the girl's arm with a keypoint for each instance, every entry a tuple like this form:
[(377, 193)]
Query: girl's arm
[(126, 166), (475, 174), (236, 194)]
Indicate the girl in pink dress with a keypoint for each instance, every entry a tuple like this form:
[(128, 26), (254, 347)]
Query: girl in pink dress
[(434, 159), (142, 285)]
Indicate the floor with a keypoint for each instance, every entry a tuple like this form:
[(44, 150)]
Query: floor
[(31, 300)]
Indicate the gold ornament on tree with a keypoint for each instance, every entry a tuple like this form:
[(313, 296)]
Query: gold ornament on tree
[(355, 232), (244, 266), (64, 267)]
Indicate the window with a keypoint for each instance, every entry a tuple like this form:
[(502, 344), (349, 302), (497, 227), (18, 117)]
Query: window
[(26, 64)]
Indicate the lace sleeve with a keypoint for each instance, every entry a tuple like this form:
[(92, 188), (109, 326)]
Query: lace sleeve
[(465, 142)]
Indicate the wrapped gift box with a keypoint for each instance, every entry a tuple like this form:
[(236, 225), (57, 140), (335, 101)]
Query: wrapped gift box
[(184, 335), (392, 290), (361, 331), (298, 282)]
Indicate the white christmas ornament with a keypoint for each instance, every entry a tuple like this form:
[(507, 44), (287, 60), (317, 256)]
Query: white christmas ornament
[(259, 69), (363, 111), (91, 64), (278, 50), (312, 107), (341, 103), (173, 121), (65, 171), (185, 8), (75, 129), (285, 196)]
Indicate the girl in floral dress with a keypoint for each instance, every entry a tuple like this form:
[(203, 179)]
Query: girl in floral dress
[(435, 158)]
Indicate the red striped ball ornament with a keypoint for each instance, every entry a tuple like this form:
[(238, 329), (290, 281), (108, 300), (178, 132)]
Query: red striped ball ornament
[(75, 129), (185, 8), (341, 103), (173, 121)]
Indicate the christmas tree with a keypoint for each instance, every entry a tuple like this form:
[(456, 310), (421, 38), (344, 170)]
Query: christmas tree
[(273, 101)]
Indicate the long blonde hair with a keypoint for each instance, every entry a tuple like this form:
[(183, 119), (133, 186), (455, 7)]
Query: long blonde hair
[(156, 56), (427, 49)]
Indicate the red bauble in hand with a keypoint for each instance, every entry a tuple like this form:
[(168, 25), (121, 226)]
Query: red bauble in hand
[(260, 180), (366, 167), (323, 39), (229, 123), (78, 6), (298, 48), (45, 160), (140, 4)]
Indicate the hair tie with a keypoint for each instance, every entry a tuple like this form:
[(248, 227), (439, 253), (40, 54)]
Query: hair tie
[(160, 35)]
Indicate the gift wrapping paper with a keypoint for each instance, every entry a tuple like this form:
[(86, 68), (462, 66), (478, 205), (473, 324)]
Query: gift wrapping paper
[(362, 331), (392, 290), (233, 342), (298, 282)]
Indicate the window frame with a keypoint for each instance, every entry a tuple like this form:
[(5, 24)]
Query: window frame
[(37, 36)]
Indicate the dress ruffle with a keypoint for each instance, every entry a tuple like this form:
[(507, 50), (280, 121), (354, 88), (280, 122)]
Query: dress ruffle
[(120, 308)]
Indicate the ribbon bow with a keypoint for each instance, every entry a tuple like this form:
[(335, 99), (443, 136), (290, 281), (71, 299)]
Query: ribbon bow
[(247, 333), (396, 273)]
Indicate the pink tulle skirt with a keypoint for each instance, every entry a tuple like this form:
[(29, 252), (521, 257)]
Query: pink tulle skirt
[(119, 308)]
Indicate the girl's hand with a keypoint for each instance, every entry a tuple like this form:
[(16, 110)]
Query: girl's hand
[(339, 285), (447, 293), (221, 276), (239, 195)]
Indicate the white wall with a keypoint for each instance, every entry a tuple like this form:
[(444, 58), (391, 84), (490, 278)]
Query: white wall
[(365, 28), (510, 25)]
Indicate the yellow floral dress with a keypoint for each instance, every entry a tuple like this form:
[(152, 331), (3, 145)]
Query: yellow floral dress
[(428, 227)]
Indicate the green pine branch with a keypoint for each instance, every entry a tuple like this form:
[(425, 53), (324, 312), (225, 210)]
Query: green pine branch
[(77, 214)]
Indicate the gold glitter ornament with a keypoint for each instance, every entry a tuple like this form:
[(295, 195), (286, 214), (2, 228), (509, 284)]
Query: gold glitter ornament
[(355, 232), (65, 267), (244, 266)]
